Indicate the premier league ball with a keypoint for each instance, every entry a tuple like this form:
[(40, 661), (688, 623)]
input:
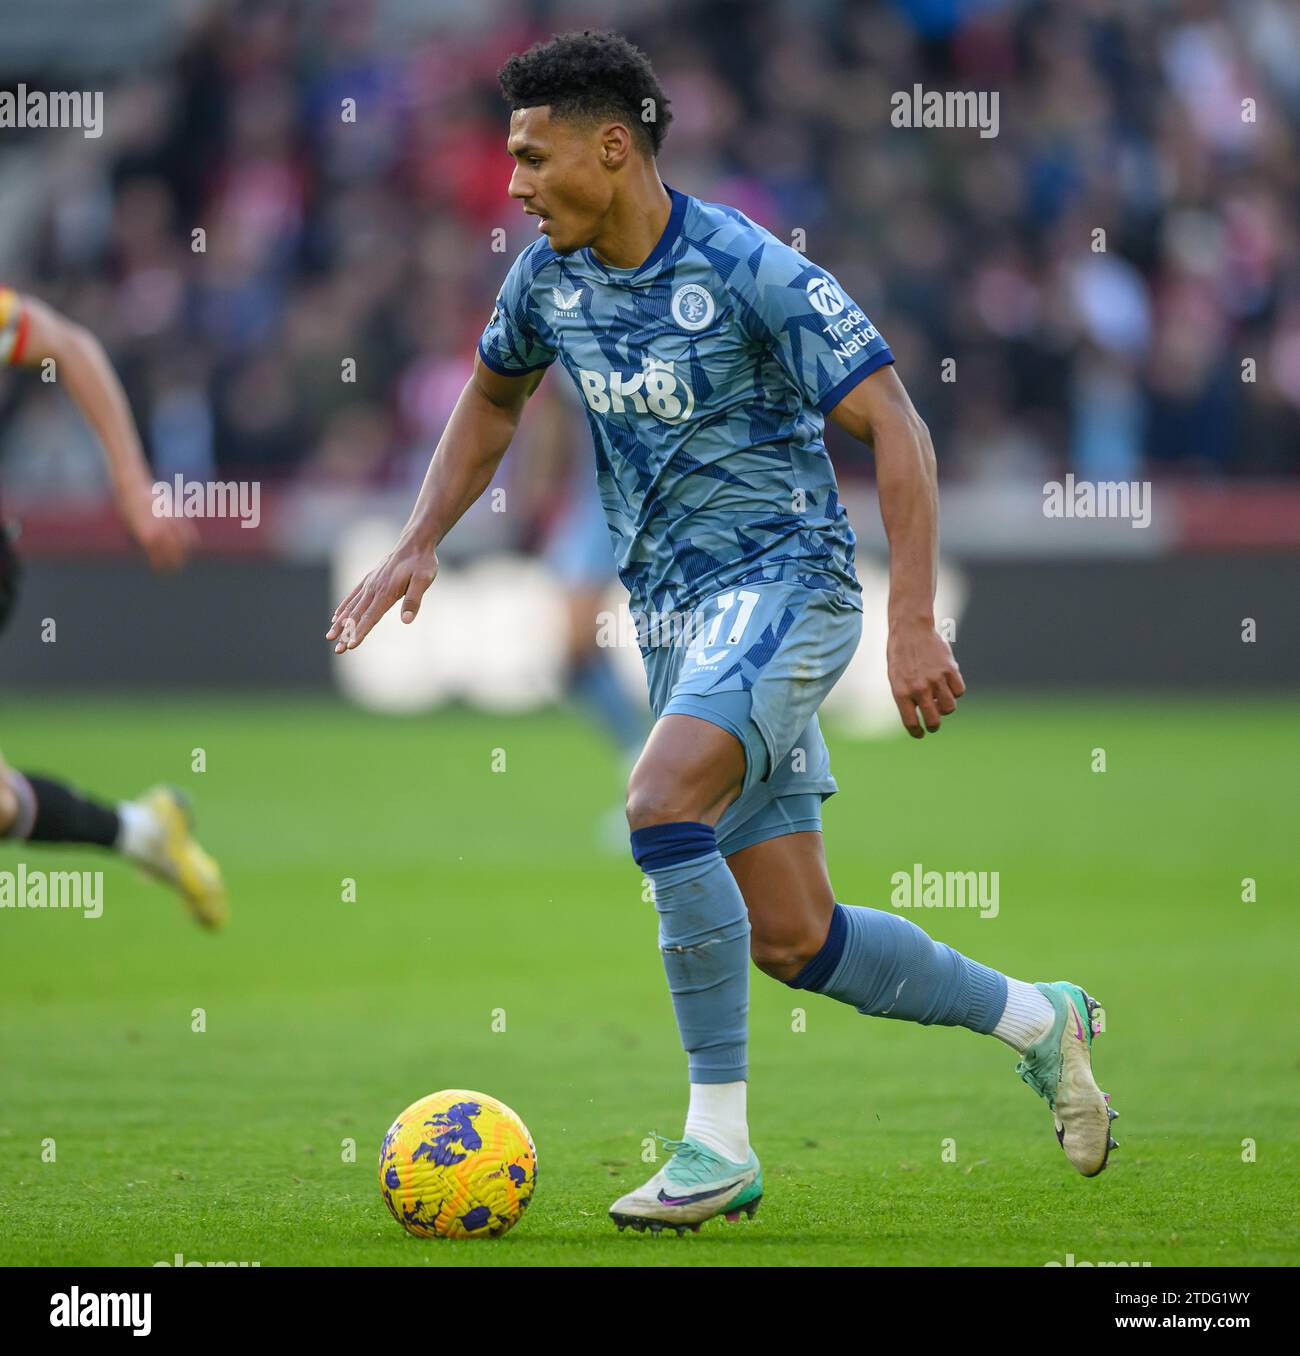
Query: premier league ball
[(457, 1164)]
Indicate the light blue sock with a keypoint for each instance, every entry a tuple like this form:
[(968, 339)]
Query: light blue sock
[(886, 966), (704, 938), (597, 685)]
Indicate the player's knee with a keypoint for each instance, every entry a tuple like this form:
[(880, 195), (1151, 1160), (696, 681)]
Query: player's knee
[(8, 804), (783, 955), (657, 801), (658, 794)]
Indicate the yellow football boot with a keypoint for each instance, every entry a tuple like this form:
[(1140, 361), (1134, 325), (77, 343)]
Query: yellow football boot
[(172, 853)]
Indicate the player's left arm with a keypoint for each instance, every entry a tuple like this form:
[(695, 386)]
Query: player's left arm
[(82, 367), (923, 674)]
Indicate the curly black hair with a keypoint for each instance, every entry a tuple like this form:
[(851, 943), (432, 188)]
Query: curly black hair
[(589, 76)]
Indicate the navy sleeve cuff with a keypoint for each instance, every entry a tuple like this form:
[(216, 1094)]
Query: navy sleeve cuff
[(509, 371), (837, 393)]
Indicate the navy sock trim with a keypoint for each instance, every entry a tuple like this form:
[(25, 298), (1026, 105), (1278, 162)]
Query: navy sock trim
[(664, 845), (822, 966)]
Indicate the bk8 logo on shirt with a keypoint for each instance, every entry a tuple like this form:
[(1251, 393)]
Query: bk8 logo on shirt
[(655, 390)]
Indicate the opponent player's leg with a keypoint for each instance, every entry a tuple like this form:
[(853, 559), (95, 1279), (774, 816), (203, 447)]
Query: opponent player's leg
[(594, 683), (592, 677), (581, 558), (688, 774), (579, 554), (154, 832), (885, 966)]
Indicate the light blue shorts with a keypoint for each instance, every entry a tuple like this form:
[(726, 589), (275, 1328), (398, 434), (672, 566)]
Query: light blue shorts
[(758, 660)]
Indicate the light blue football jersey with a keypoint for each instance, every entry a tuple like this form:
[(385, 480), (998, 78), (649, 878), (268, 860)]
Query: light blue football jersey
[(706, 375)]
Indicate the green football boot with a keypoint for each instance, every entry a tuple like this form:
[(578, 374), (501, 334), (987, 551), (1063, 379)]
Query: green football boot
[(1059, 1069), (694, 1185)]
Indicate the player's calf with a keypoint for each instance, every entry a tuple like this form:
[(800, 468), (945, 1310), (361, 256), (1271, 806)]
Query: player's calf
[(790, 901), (886, 966), (45, 811), (688, 773)]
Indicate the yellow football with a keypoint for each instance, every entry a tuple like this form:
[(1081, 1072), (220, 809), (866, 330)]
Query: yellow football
[(457, 1164)]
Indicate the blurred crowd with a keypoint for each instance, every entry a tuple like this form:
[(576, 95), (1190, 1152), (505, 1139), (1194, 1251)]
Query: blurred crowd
[(1115, 276)]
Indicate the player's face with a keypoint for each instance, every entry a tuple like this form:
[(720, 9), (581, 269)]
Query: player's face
[(559, 176)]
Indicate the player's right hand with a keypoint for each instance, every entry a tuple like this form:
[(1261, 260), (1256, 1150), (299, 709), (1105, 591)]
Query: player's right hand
[(166, 541), (406, 574)]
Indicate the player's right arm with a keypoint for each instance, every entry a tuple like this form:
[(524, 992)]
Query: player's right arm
[(477, 435)]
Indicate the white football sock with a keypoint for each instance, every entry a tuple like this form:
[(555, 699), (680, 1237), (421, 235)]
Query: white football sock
[(716, 1118), (1028, 1017), (137, 838)]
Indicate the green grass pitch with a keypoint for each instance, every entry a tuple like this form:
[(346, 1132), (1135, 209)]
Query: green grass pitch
[(481, 893)]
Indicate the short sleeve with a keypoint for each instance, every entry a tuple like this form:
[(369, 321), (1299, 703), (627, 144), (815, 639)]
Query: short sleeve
[(820, 336), (511, 343)]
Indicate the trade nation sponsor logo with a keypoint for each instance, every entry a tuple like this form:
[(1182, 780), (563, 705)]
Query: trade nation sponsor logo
[(849, 329)]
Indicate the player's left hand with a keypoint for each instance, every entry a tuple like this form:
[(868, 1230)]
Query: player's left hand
[(166, 541), (923, 676)]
